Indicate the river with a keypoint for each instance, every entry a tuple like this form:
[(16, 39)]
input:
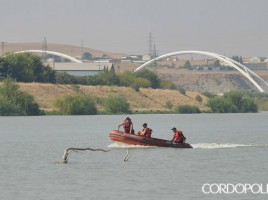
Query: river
[(228, 149)]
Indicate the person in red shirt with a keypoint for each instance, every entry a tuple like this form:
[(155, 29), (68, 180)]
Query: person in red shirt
[(146, 132), (178, 136), (128, 126)]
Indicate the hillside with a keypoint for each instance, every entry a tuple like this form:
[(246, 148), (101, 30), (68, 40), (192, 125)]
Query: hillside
[(146, 100), (74, 51), (212, 81)]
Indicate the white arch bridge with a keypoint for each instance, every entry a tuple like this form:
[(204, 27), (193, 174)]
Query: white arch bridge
[(52, 53), (248, 73)]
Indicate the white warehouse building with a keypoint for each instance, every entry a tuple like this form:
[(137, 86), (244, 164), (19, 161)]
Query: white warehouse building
[(81, 69)]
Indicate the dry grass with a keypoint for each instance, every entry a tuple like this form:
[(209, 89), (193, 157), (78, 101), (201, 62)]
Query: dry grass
[(144, 100), (46, 94)]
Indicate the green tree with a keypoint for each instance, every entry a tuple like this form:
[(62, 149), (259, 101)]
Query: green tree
[(105, 56), (65, 78), (76, 104), (165, 84), (199, 98), (140, 83), (232, 102), (15, 102), (116, 105), (127, 78), (187, 65), (25, 67), (242, 101), (87, 56), (221, 105), (187, 109), (248, 105), (217, 63), (238, 59), (130, 79), (149, 75), (27, 104), (112, 69), (109, 77), (182, 91)]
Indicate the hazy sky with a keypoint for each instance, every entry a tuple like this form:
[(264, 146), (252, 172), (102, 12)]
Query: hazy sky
[(230, 27)]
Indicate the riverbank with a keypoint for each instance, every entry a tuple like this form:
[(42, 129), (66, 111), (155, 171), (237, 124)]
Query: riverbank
[(146, 100)]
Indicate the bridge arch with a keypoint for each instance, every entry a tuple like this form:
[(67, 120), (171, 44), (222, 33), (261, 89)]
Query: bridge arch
[(238, 66), (53, 53)]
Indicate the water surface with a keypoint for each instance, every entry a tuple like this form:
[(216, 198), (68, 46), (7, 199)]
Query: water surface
[(228, 148)]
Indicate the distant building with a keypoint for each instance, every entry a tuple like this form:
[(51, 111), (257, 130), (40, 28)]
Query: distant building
[(257, 59), (81, 69), (138, 61), (103, 61), (216, 69), (146, 57), (136, 57), (256, 66)]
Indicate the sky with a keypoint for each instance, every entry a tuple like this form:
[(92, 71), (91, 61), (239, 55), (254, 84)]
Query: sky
[(227, 27)]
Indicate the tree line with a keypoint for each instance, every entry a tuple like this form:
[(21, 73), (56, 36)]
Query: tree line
[(142, 79), (26, 67)]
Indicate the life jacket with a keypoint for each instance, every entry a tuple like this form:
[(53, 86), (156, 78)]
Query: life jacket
[(127, 125), (179, 137), (148, 132)]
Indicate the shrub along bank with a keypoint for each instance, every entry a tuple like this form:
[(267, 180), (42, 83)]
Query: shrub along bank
[(233, 102), (14, 102), (76, 104), (75, 99)]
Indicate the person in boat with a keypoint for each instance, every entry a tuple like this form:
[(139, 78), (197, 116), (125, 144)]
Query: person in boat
[(127, 125), (178, 136), (146, 131)]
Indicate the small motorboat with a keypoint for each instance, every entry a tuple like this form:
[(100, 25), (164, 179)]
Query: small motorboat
[(127, 138)]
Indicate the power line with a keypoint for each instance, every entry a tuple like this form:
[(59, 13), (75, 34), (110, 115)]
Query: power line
[(152, 48), (150, 44), (3, 47), (82, 49), (154, 52)]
